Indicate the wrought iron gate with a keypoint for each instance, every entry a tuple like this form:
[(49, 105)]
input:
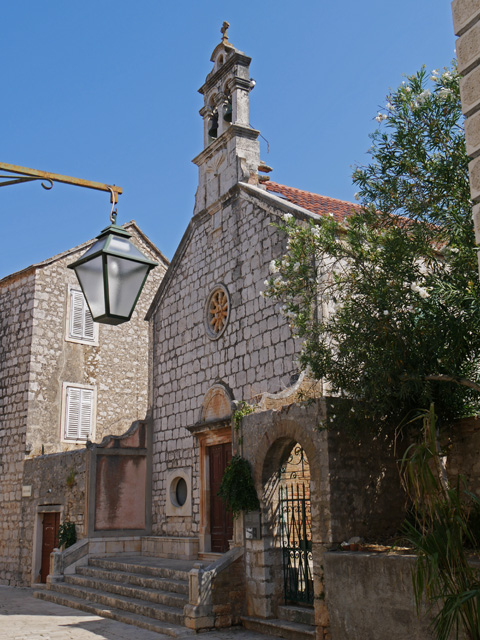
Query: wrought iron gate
[(296, 538)]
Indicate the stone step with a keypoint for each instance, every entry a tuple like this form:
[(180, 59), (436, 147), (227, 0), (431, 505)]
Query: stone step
[(132, 605), (122, 588), (167, 630), (279, 628), (209, 556), (138, 579), (158, 571), (293, 613)]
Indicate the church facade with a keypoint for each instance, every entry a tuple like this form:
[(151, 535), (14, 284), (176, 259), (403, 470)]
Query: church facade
[(219, 345)]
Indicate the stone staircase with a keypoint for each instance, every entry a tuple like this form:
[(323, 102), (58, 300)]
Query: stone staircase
[(151, 593), (146, 592), (293, 623)]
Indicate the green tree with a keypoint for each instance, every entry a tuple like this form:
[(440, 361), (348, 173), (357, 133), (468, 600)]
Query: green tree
[(443, 532), (386, 302)]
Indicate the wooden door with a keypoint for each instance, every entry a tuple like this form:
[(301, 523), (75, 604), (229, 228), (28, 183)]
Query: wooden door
[(51, 522), (221, 521)]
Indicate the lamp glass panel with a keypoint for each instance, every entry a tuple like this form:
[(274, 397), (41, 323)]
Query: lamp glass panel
[(122, 245), (96, 246), (125, 278), (90, 276)]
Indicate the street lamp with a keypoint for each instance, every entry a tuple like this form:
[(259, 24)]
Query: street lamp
[(113, 271), (112, 274)]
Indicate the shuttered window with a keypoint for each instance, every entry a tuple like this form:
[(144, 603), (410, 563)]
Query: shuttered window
[(78, 413), (81, 325)]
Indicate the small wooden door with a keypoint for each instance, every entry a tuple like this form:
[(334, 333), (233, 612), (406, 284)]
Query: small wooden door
[(51, 522), (221, 521)]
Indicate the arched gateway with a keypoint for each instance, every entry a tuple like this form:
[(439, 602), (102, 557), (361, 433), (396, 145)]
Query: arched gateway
[(284, 565)]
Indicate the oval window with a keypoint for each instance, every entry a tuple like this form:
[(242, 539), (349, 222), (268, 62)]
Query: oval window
[(181, 492)]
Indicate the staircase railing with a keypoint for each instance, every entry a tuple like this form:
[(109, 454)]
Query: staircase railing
[(216, 592)]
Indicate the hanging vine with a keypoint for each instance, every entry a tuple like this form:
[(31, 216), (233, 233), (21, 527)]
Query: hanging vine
[(237, 489)]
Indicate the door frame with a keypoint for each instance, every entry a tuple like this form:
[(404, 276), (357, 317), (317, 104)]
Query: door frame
[(220, 435), (38, 537)]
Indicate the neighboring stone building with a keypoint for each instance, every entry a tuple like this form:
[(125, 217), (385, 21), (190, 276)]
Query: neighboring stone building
[(63, 378)]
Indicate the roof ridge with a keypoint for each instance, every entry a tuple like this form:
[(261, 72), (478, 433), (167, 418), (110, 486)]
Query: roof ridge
[(312, 193), (313, 202)]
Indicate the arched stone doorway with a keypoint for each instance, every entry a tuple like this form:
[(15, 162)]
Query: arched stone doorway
[(269, 437), (287, 518)]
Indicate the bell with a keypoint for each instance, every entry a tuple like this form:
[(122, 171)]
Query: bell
[(227, 116), (213, 126)]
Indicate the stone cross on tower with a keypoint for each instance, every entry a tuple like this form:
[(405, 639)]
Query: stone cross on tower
[(223, 31), (231, 149)]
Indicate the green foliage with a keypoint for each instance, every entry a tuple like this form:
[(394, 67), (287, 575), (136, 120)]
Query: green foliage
[(237, 489), (67, 534), (444, 525), (242, 410), (386, 303), (71, 478)]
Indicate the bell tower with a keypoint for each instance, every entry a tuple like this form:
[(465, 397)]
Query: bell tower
[(231, 152)]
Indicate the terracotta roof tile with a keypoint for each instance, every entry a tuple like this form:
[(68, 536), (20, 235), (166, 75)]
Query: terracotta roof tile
[(313, 202)]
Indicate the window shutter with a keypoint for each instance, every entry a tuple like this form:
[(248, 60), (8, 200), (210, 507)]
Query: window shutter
[(82, 326), (79, 413), (73, 413), (89, 327), (86, 414), (76, 314)]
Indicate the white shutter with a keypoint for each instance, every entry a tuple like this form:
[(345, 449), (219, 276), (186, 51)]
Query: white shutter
[(88, 325), (86, 411), (72, 418), (76, 314), (79, 413), (82, 326)]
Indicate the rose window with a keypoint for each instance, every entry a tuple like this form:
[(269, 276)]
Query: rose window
[(217, 311)]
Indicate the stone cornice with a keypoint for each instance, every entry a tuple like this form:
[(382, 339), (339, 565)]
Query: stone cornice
[(233, 131), (236, 58)]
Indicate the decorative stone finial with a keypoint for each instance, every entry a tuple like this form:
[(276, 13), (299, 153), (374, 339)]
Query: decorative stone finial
[(223, 31)]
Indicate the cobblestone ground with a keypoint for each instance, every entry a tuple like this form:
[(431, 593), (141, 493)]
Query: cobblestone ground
[(23, 617)]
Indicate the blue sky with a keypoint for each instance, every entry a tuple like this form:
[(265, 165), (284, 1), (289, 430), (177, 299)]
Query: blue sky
[(106, 90)]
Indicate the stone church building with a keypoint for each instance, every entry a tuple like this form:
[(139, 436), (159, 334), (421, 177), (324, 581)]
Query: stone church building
[(157, 548)]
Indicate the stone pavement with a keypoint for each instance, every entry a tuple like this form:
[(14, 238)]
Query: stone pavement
[(23, 617)]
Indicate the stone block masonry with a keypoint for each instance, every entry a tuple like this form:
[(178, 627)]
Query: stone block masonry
[(466, 24), (117, 367), (38, 358), (57, 481), (187, 362), (16, 328)]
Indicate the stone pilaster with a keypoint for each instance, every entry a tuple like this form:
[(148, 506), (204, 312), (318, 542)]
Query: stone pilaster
[(466, 24)]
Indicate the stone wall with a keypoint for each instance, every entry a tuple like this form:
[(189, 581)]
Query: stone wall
[(117, 366), (16, 309), (366, 497), (228, 595), (371, 596), (57, 481), (354, 488), (463, 449), (119, 498), (255, 353), (466, 24)]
